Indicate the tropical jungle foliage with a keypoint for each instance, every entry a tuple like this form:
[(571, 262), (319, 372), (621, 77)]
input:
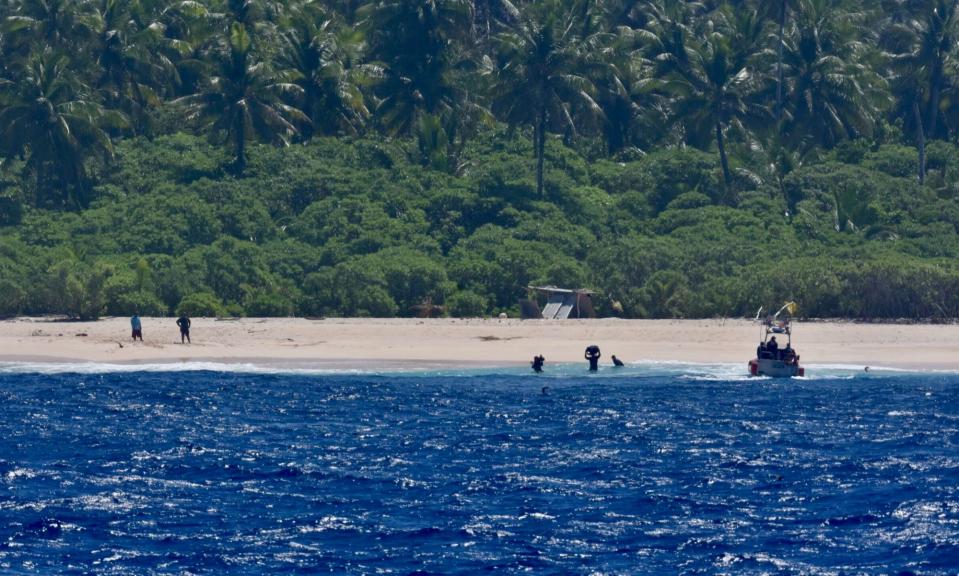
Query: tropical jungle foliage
[(383, 157)]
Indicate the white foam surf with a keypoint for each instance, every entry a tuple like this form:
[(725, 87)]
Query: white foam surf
[(192, 366), (643, 368)]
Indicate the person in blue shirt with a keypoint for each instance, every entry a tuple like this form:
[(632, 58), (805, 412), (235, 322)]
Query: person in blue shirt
[(137, 327)]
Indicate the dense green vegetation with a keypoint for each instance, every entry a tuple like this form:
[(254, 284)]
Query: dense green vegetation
[(685, 159)]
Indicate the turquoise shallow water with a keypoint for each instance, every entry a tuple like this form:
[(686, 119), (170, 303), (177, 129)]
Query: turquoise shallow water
[(660, 469)]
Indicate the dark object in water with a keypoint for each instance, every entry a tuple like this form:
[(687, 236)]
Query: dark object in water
[(537, 363), (593, 354), (617, 362)]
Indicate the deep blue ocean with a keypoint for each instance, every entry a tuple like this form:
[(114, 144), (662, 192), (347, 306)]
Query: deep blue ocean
[(645, 471)]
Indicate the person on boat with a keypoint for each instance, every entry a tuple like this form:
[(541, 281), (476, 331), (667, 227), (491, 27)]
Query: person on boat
[(773, 347), (137, 327), (789, 355), (617, 362), (538, 363), (184, 323), (593, 354)]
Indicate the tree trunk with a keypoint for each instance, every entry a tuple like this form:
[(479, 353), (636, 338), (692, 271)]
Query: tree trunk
[(311, 106), (240, 135), (481, 23), (921, 141), (934, 101), (779, 64), (452, 150), (539, 135), (614, 129), (727, 177)]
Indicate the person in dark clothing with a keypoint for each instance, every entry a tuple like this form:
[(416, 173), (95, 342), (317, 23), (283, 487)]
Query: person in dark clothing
[(593, 354), (538, 363), (789, 355), (617, 362), (773, 347), (184, 323)]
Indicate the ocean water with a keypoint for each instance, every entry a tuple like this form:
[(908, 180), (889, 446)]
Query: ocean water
[(654, 469)]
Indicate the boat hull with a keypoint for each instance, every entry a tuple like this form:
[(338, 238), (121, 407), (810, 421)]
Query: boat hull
[(774, 368)]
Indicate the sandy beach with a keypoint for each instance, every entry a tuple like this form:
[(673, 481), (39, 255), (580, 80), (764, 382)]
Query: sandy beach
[(413, 343)]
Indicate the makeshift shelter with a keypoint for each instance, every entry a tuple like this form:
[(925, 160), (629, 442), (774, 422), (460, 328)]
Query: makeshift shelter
[(561, 303)]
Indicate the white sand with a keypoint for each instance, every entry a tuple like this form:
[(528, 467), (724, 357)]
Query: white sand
[(469, 342)]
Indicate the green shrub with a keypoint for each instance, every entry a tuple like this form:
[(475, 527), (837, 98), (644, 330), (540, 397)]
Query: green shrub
[(689, 201), (467, 304), (76, 290), (410, 278), (115, 289), (374, 301), (11, 206), (900, 161), (12, 298), (142, 303), (262, 303), (352, 227), (202, 304), (352, 288)]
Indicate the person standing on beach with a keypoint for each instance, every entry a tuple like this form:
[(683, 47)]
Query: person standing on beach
[(136, 327), (184, 323)]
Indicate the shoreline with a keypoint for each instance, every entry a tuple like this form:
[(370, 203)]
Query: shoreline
[(412, 343)]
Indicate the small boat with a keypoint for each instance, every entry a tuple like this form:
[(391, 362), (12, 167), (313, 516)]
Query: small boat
[(771, 359)]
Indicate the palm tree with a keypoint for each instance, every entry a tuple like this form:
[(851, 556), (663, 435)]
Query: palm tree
[(920, 39), (131, 68), (426, 83), (778, 11), (242, 101), (414, 42), (59, 24), (617, 82), (53, 120), (259, 17), (612, 59), (832, 92), (708, 77), (937, 31), (539, 84), (189, 36), (326, 62), (489, 15), (346, 10), (246, 12)]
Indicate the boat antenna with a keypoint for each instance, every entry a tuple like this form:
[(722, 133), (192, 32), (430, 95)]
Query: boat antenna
[(790, 306)]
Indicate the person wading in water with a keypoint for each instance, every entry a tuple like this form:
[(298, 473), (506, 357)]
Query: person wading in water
[(593, 354)]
